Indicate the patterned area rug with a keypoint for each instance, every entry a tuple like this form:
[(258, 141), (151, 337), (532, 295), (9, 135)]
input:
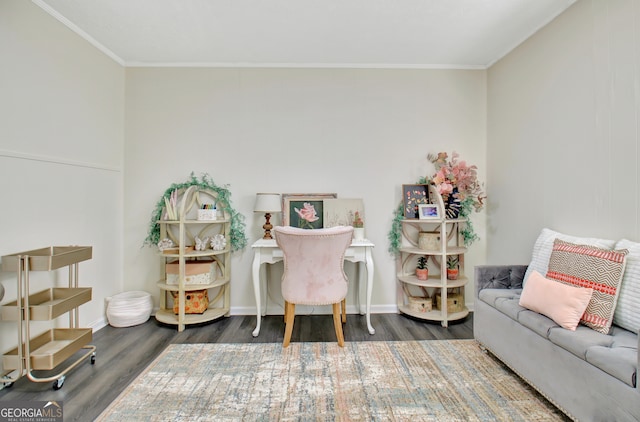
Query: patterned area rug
[(366, 381)]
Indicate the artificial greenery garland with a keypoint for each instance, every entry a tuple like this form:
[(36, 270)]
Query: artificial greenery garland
[(223, 203)]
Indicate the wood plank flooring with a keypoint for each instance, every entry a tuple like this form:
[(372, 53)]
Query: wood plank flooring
[(122, 353)]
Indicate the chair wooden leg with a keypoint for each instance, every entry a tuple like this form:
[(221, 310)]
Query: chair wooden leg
[(290, 312), (338, 323), (285, 311), (344, 310)]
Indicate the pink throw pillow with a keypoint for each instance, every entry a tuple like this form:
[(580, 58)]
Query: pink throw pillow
[(562, 303)]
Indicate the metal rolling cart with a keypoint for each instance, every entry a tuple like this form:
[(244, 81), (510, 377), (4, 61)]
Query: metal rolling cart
[(57, 345)]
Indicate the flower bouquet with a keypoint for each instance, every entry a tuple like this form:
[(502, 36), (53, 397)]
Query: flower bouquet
[(458, 184)]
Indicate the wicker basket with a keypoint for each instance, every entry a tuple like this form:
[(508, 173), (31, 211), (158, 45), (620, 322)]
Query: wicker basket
[(455, 302), (420, 304)]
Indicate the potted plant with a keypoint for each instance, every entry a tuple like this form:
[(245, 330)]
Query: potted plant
[(422, 272), (358, 226), (452, 267)]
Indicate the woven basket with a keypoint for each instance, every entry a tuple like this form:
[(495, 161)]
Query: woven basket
[(129, 308), (420, 304), (455, 302)]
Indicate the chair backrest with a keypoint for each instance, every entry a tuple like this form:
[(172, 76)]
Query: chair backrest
[(313, 264)]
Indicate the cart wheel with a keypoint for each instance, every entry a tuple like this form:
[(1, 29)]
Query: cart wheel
[(93, 358), (57, 384)]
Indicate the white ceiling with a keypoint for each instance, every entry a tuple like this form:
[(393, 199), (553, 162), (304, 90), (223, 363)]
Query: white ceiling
[(306, 33)]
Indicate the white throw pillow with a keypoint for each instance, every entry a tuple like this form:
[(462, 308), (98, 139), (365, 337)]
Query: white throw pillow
[(627, 314), (544, 245)]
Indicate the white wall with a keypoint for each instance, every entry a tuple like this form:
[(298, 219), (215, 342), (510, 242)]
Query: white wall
[(359, 133), (67, 110), (61, 148), (563, 131)]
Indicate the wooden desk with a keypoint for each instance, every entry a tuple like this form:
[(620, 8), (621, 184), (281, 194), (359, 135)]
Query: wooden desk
[(266, 251)]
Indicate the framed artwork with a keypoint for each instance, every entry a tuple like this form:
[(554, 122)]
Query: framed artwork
[(341, 212), (412, 197), (304, 210), (428, 211)]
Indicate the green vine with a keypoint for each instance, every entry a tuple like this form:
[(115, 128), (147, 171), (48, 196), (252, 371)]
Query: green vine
[(394, 236), (468, 231), (223, 204)]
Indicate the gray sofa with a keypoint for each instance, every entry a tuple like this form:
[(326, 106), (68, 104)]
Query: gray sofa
[(588, 375)]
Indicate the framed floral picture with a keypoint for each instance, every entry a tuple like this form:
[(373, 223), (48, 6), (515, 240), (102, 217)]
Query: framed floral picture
[(304, 210), (412, 197)]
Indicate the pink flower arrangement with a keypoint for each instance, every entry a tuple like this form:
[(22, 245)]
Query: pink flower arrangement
[(455, 173)]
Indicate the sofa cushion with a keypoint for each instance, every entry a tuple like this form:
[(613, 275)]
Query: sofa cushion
[(619, 362), (626, 314), (580, 340), (592, 267), (615, 354), (544, 244), (561, 302), (537, 323), (620, 359), (504, 300)]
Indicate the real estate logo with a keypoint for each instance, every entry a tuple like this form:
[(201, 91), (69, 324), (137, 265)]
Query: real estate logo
[(31, 411)]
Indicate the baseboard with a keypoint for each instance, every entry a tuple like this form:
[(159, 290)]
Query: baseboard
[(98, 324), (312, 310)]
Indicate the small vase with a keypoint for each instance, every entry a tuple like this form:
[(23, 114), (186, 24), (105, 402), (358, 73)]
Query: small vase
[(452, 206), (358, 233), (452, 273)]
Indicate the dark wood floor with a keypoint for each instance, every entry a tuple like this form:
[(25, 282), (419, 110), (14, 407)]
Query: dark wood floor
[(122, 353)]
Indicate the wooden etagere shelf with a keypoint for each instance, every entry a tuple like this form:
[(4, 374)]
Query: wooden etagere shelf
[(437, 298), (183, 231)]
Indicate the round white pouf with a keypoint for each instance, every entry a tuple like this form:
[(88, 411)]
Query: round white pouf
[(129, 308)]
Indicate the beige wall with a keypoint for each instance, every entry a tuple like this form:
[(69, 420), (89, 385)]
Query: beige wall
[(563, 131), (61, 148), (359, 133)]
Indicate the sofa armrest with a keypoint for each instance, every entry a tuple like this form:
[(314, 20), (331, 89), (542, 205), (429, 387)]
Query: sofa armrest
[(499, 277)]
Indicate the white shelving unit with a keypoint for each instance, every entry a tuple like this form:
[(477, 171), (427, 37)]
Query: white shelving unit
[(48, 350), (437, 284), (183, 232)]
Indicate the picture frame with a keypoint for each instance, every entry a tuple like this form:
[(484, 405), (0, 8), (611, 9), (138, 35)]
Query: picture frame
[(341, 212), (428, 212), (314, 204), (412, 197)]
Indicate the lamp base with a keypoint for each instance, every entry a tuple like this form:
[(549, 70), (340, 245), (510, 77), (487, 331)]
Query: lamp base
[(267, 227)]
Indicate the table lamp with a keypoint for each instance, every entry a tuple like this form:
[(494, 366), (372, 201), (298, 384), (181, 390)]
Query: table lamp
[(267, 203)]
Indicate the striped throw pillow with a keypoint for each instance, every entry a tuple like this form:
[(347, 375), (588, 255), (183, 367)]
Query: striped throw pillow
[(591, 267), (544, 245)]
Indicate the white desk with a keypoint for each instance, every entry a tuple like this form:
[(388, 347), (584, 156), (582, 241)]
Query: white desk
[(266, 251)]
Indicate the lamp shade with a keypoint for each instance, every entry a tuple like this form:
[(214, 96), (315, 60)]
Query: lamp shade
[(267, 203)]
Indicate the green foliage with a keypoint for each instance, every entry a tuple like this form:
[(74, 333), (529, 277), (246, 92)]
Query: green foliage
[(422, 263), (452, 262), (468, 232), (223, 204), (395, 234)]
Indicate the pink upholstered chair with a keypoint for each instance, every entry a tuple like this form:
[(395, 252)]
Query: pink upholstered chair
[(313, 272)]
